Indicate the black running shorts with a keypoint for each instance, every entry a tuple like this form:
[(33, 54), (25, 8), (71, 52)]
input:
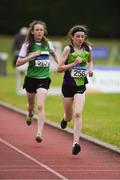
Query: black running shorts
[(32, 84), (70, 91)]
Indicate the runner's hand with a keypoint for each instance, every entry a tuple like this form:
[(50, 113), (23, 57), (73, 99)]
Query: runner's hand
[(78, 60), (34, 54), (90, 73)]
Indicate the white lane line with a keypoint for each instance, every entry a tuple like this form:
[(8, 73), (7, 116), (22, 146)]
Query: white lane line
[(72, 179), (34, 160), (75, 171)]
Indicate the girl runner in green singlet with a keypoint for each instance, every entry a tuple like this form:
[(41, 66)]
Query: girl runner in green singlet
[(36, 51), (76, 62)]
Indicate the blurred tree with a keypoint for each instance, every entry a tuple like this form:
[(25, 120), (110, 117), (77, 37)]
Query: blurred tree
[(102, 17)]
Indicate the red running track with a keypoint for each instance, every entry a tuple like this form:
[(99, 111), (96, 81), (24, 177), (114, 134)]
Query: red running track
[(22, 158)]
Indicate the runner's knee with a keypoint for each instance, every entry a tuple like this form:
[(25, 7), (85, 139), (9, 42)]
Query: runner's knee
[(77, 115), (40, 107)]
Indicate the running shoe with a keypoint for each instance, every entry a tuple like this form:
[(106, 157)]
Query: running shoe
[(76, 149), (29, 119), (63, 124), (38, 138)]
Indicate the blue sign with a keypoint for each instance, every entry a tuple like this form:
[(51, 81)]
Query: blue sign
[(100, 52)]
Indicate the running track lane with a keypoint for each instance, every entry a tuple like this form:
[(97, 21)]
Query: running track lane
[(22, 158)]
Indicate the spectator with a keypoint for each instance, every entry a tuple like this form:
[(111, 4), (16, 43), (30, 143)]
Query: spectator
[(17, 43)]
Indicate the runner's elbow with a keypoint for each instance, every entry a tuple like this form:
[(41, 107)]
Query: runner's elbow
[(18, 63)]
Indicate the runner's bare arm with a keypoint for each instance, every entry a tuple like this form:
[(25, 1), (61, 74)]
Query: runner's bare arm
[(90, 65), (62, 66), (21, 61)]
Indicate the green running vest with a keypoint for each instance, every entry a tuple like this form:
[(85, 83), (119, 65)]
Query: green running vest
[(39, 67), (78, 72)]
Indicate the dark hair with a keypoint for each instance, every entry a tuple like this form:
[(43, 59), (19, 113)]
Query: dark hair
[(78, 28), (30, 37)]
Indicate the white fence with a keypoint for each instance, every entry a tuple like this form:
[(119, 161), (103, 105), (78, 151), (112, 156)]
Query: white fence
[(105, 80)]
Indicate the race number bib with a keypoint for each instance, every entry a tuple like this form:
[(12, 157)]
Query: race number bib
[(42, 63), (79, 71), (42, 60)]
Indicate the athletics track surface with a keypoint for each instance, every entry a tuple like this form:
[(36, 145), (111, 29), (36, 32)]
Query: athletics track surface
[(22, 158)]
